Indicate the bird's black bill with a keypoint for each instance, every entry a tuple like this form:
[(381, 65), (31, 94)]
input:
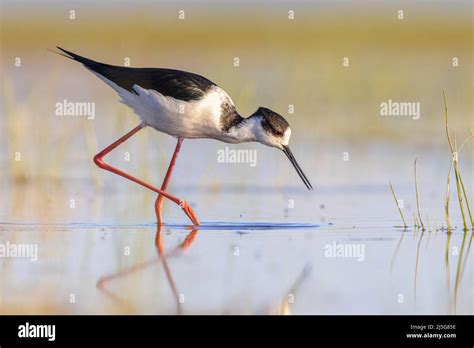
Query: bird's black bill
[(287, 151)]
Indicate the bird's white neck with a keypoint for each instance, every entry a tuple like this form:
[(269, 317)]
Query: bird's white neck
[(247, 130)]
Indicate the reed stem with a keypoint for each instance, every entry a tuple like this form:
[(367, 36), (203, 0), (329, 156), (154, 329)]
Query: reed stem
[(454, 157), (417, 197), (398, 206)]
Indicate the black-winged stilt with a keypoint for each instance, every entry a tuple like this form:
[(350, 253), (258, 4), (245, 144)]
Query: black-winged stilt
[(185, 105)]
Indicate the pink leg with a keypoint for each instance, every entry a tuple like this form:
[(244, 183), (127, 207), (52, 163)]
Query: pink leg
[(98, 159), (164, 185)]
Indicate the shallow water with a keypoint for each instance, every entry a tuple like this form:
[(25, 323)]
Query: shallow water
[(256, 252), (235, 270)]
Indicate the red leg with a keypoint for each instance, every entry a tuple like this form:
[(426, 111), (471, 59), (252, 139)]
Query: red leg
[(164, 185), (98, 159)]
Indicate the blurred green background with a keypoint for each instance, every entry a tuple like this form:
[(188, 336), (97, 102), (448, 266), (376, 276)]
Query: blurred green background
[(283, 63)]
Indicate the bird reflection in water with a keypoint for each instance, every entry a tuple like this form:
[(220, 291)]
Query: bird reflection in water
[(162, 257)]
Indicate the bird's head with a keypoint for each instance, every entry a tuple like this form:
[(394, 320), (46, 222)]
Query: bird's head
[(273, 130)]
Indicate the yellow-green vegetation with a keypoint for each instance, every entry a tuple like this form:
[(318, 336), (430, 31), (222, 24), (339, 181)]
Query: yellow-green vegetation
[(446, 199), (398, 206), (460, 188), (417, 196), (461, 191)]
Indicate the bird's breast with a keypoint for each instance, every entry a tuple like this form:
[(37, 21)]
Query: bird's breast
[(187, 119), (197, 115)]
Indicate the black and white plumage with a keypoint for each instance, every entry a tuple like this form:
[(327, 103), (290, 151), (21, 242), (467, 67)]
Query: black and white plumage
[(187, 105)]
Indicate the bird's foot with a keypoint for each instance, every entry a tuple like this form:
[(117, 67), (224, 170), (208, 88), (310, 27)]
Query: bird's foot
[(189, 212)]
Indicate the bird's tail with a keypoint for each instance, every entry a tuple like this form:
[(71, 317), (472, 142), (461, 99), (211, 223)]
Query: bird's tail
[(120, 79)]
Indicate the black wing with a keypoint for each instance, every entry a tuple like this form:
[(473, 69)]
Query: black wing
[(178, 84)]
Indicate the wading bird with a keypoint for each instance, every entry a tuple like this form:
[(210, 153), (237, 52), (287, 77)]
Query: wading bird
[(184, 105)]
